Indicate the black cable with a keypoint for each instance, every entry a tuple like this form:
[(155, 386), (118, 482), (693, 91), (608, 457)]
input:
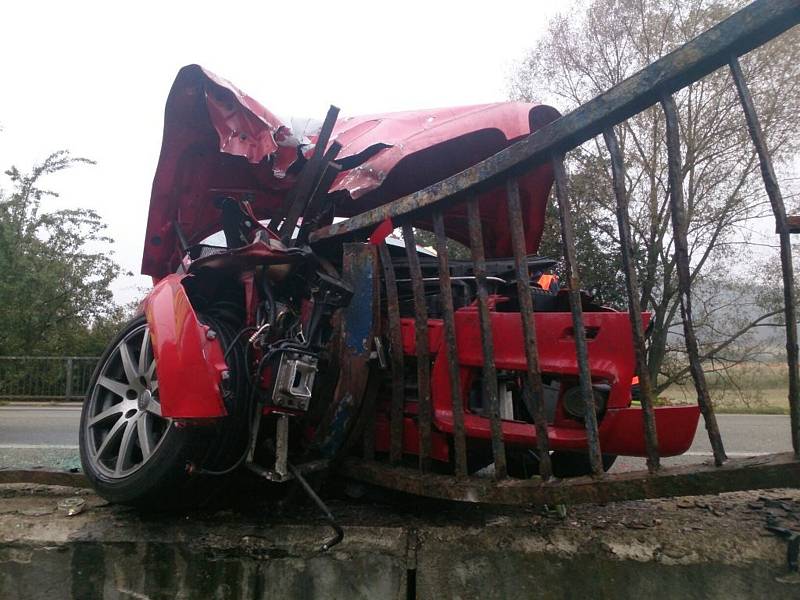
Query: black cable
[(270, 301), (253, 407), (236, 339)]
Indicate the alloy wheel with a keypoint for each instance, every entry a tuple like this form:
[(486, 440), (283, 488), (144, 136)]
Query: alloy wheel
[(124, 426)]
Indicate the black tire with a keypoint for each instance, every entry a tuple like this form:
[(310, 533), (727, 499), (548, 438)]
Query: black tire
[(142, 473), (524, 464), (576, 464)]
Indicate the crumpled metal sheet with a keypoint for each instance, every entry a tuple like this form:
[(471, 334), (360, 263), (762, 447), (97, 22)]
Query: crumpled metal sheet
[(405, 133), (220, 141)]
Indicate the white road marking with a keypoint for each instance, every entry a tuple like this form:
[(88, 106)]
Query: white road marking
[(730, 454), (46, 408), (38, 447)]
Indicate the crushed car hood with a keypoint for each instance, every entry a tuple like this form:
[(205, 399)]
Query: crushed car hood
[(219, 141)]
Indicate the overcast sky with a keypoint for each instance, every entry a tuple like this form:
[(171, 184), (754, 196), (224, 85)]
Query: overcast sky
[(93, 77)]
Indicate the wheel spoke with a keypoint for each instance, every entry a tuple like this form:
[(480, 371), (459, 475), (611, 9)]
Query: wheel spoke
[(151, 371), (145, 350), (109, 412), (117, 387), (154, 407), (125, 447), (112, 434), (128, 364), (145, 435)]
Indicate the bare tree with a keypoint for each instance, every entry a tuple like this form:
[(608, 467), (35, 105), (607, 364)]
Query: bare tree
[(599, 43)]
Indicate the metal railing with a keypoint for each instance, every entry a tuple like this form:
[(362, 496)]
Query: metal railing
[(45, 377), (719, 47)]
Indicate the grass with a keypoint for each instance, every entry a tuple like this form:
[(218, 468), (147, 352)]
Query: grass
[(749, 388), (753, 410)]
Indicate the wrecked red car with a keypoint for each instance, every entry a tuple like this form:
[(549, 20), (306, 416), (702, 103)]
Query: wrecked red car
[(236, 360)]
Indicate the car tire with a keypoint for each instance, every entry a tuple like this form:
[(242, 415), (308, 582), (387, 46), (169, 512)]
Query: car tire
[(524, 464), (576, 464), (133, 455)]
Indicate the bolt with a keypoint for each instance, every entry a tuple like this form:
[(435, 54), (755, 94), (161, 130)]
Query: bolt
[(211, 334)]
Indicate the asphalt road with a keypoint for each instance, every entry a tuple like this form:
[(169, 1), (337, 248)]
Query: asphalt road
[(39, 435), (48, 436), (39, 425)]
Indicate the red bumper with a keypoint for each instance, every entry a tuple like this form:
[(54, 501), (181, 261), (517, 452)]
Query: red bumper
[(621, 431), (611, 361)]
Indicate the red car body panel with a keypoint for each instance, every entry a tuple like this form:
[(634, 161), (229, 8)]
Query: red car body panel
[(622, 430), (190, 364), (219, 141)]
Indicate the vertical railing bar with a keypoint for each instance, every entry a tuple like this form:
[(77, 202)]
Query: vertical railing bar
[(779, 210), (374, 381), (395, 356), (634, 306), (450, 348), (679, 228), (534, 398), (422, 349), (370, 409), (368, 439), (68, 386), (490, 392), (581, 349)]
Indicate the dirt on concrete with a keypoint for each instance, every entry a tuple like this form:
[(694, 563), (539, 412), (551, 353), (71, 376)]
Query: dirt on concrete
[(399, 547)]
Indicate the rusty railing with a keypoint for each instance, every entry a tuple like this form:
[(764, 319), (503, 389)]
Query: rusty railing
[(719, 47), (45, 377)]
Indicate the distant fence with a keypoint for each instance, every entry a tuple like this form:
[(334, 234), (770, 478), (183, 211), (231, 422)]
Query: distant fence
[(45, 377)]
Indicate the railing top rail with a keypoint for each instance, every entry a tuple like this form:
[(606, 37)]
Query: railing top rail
[(740, 33)]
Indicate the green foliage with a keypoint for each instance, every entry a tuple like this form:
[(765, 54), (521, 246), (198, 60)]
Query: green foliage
[(55, 269), (595, 233), (455, 250)]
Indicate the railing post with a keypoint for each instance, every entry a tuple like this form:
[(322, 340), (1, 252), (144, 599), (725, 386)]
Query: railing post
[(534, 399), (68, 387), (781, 224), (450, 349), (634, 307), (679, 229), (581, 350), (490, 393), (422, 349), (395, 357)]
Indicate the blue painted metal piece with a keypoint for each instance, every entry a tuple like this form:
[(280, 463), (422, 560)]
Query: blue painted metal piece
[(359, 326)]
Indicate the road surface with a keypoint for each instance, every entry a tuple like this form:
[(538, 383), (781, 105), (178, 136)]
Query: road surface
[(39, 435), (47, 435)]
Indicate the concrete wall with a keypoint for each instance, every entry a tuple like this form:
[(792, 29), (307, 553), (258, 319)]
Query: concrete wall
[(708, 548)]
